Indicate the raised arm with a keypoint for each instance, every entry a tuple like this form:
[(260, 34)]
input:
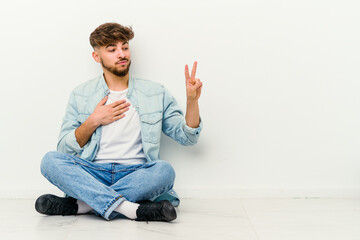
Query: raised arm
[(193, 92)]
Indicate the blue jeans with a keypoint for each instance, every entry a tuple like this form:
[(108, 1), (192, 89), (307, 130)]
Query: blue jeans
[(103, 186)]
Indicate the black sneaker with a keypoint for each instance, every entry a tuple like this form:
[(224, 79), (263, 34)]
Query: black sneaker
[(52, 205), (156, 211)]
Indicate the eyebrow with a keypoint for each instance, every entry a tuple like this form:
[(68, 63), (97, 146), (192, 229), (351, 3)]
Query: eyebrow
[(110, 45), (114, 45)]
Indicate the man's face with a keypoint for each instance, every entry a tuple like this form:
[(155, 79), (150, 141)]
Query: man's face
[(114, 57)]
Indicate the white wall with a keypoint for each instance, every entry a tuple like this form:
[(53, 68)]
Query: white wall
[(280, 101)]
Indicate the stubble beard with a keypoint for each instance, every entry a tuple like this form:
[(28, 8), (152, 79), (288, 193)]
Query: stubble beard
[(115, 71)]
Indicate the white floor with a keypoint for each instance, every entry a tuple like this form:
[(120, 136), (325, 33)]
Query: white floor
[(261, 219)]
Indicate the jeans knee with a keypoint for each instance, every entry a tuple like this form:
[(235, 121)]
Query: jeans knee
[(48, 162), (166, 170)]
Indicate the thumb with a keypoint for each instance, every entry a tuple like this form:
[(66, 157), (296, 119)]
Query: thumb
[(103, 101)]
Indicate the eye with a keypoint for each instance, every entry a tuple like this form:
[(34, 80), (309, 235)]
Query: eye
[(112, 50), (126, 48)]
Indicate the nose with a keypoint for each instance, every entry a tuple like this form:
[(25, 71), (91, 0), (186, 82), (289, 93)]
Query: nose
[(121, 54)]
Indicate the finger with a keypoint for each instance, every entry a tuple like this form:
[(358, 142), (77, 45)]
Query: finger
[(121, 111), (199, 91), (121, 106), (119, 117), (191, 82), (193, 72), (187, 72), (103, 101), (114, 104), (198, 83)]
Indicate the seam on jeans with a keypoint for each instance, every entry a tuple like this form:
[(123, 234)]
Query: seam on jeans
[(148, 164), (110, 204), (138, 166), (112, 173), (98, 169), (80, 163)]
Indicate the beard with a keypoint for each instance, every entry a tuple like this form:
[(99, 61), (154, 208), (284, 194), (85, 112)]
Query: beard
[(115, 71)]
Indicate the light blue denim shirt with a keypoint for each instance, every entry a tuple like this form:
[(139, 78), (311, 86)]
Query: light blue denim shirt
[(157, 109)]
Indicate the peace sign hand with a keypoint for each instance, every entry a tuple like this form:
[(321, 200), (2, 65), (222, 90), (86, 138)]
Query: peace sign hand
[(193, 85)]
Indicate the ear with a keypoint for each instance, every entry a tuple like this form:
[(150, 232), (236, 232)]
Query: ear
[(95, 56)]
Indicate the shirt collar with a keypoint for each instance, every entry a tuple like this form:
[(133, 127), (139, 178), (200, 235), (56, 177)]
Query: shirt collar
[(105, 87)]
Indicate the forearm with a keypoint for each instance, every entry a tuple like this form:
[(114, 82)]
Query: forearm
[(192, 114), (84, 131)]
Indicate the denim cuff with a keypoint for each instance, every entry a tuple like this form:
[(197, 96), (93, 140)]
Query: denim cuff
[(193, 131), (71, 142), (170, 196), (112, 205)]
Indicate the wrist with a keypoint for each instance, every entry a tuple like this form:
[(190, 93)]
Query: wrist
[(191, 101), (92, 122)]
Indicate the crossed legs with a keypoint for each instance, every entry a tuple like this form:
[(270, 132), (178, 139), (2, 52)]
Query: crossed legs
[(105, 186)]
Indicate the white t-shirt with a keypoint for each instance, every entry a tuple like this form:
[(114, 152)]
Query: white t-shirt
[(121, 140)]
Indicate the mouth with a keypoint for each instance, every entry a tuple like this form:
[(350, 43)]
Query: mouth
[(123, 62)]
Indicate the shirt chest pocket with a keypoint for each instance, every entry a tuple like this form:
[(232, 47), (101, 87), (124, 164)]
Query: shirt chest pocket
[(151, 124)]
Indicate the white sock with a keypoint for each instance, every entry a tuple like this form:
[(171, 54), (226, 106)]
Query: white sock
[(128, 209), (83, 207)]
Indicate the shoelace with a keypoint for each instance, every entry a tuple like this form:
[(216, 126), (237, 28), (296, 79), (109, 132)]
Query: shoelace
[(151, 211), (60, 207)]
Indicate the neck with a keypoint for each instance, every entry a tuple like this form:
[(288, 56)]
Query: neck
[(116, 83)]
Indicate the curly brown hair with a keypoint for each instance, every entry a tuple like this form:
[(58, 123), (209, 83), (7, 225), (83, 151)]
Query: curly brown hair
[(109, 33)]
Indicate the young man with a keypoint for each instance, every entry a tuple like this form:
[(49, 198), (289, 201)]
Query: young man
[(108, 150)]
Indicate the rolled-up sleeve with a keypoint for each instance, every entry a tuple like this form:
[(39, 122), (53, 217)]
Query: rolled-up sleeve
[(174, 124), (193, 133), (67, 141)]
